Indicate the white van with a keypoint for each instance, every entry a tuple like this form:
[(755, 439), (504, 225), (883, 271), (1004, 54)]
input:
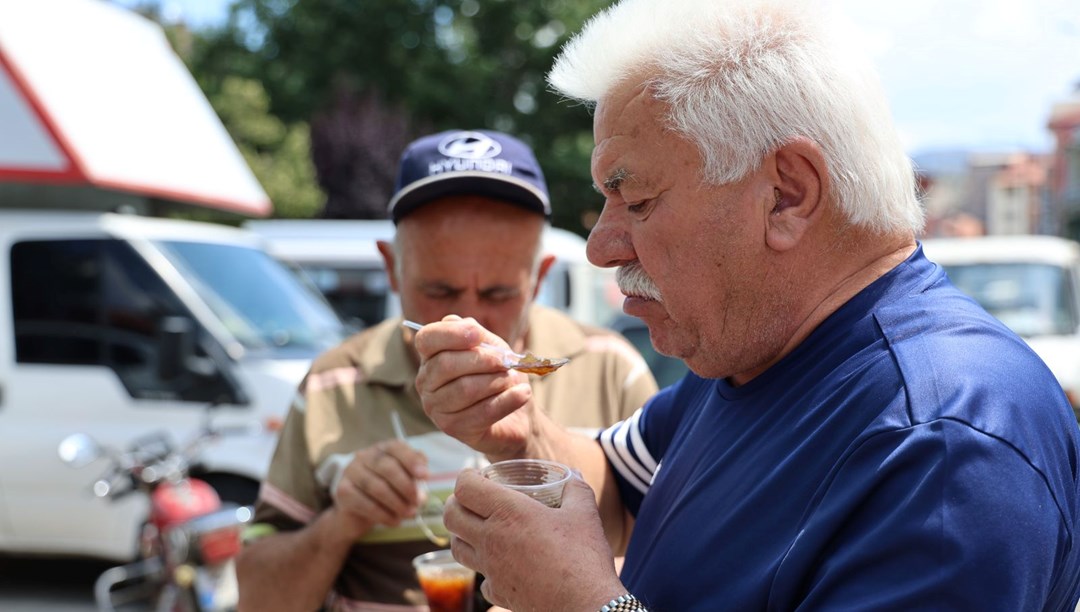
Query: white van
[(340, 258), (1031, 284), (117, 326)]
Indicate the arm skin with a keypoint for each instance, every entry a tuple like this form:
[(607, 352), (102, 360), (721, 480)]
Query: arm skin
[(585, 455), (294, 571)]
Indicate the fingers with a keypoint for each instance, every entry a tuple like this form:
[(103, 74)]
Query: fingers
[(454, 341), (466, 525), (380, 482), (462, 406), (578, 493), (489, 593), (451, 334), (467, 392), (473, 372), (467, 529), (506, 536), (464, 552), (477, 495)]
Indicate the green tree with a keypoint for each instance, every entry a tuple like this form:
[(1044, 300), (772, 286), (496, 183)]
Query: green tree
[(278, 153), (371, 74)]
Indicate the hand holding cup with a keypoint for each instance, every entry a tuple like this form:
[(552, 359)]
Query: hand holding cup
[(534, 556)]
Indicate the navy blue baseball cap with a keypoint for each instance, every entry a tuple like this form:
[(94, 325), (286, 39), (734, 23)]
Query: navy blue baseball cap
[(459, 162)]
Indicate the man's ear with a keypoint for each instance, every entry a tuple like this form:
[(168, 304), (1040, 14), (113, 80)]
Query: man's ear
[(800, 182), (386, 249), (542, 272)]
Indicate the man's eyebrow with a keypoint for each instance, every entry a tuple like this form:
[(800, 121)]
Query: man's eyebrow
[(498, 290), (614, 181), (440, 286)]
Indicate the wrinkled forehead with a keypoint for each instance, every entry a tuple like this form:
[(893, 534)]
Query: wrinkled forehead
[(628, 109), (473, 233), (633, 133), (622, 119)]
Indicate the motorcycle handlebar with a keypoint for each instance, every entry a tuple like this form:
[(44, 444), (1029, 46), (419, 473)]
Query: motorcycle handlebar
[(152, 458)]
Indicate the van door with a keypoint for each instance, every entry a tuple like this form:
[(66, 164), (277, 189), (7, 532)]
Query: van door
[(87, 318)]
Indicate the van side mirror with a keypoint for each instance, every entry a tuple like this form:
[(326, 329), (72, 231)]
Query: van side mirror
[(176, 350), (176, 344), (177, 359)]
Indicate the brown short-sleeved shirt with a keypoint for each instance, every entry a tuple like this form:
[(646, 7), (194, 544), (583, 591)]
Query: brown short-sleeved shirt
[(344, 405)]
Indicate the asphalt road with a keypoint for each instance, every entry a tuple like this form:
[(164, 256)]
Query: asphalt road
[(52, 585)]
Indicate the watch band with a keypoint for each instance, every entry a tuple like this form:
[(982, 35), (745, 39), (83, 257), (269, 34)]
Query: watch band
[(624, 603)]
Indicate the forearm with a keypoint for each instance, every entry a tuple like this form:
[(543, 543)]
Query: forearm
[(550, 441), (292, 571)]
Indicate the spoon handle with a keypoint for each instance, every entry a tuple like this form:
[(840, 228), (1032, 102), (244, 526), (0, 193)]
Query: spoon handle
[(431, 503), (399, 429)]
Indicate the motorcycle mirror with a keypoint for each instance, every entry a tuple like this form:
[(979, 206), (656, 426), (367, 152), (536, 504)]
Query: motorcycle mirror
[(78, 450)]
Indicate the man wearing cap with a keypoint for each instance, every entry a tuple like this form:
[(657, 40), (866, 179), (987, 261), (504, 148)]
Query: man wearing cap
[(335, 522)]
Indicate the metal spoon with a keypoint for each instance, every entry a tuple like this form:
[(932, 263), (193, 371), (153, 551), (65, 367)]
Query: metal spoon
[(433, 507), (528, 363)]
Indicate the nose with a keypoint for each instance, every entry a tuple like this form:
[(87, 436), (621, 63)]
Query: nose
[(609, 243)]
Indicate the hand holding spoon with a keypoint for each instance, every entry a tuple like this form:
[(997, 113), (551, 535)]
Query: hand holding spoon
[(528, 363)]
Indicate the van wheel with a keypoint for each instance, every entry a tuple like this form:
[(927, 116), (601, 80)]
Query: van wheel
[(232, 488)]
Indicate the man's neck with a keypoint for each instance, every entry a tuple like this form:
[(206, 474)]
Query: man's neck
[(839, 272)]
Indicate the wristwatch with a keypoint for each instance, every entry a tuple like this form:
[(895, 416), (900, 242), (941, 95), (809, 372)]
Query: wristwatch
[(624, 603)]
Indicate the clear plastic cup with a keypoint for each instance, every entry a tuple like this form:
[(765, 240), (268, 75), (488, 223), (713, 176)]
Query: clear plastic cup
[(539, 479), (448, 585)]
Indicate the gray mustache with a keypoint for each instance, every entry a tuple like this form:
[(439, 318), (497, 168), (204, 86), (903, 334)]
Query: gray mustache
[(633, 281)]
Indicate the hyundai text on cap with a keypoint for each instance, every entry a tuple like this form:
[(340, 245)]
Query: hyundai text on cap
[(478, 162)]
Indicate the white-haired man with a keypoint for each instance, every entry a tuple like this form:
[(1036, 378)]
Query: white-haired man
[(855, 434)]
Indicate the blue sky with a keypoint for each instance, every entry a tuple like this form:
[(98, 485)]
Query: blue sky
[(960, 74)]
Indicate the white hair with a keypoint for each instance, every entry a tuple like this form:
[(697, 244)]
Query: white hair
[(742, 78)]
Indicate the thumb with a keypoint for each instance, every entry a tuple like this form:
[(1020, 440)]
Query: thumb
[(577, 494)]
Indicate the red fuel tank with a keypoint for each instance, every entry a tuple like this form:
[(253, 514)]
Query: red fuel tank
[(173, 503)]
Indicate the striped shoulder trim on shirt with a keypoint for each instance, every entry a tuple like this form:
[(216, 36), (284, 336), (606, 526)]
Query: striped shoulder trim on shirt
[(627, 453), (277, 498), (336, 377)]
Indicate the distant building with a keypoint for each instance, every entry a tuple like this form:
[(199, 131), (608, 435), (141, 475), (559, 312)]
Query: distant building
[(943, 185), (1064, 176), (988, 193), (1016, 201)]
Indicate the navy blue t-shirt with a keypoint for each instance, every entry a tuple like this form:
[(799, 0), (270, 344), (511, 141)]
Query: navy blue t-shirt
[(912, 453)]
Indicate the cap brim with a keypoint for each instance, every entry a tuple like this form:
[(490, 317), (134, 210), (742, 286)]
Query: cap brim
[(502, 187)]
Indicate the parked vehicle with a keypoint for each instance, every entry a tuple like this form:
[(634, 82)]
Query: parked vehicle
[(189, 540), (119, 325), (666, 370), (1031, 284), (340, 258)]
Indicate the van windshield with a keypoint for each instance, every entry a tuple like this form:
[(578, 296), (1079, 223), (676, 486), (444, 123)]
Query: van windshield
[(1031, 299), (259, 301)]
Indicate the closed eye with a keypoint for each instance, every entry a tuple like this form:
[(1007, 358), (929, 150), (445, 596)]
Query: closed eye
[(640, 208)]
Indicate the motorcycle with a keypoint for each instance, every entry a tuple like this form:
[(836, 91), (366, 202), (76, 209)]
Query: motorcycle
[(190, 539)]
